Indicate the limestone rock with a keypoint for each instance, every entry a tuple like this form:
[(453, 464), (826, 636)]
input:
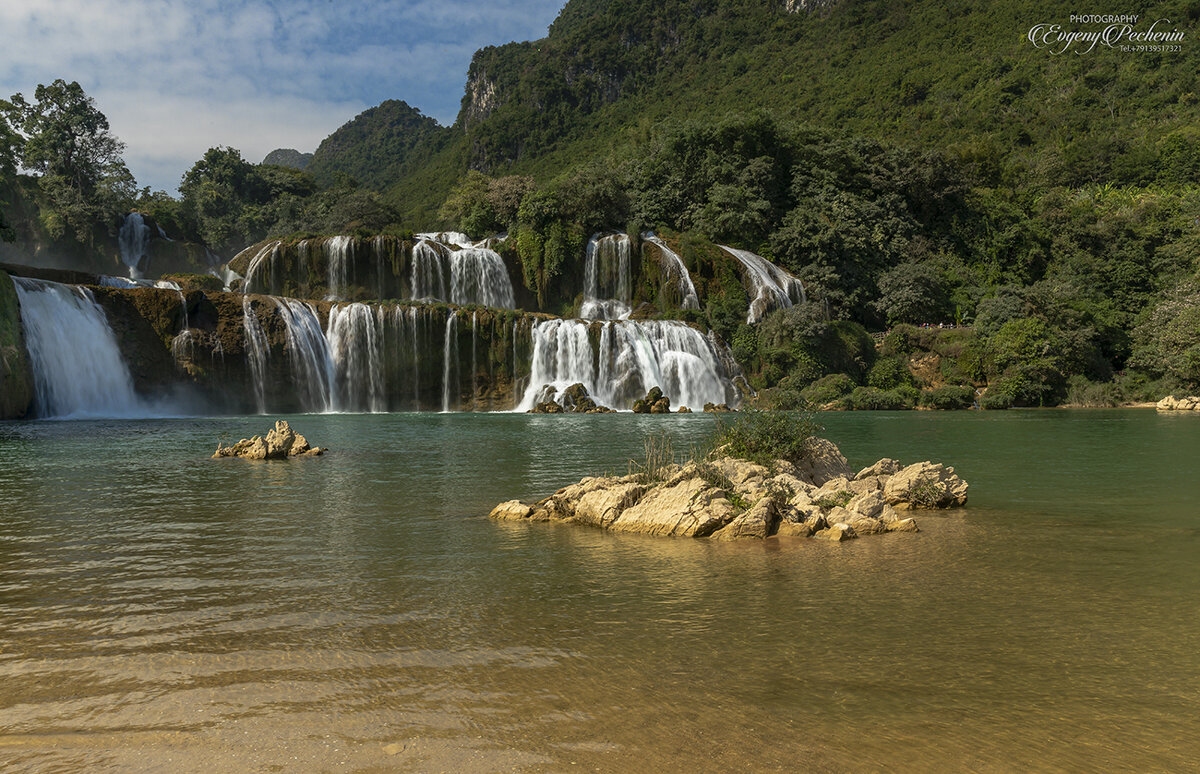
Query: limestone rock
[(885, 467), (837, 533), (791, 529), (757, 522), (684, 410), (925, 485), (690, 508), (822, 462), (903, 525), (716, 408), (280, 443), (1171, 403), (601, 507), (512, 510)]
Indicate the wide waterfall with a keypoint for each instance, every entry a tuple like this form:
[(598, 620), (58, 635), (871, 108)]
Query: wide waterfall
[(77, 367), (769, 286), (381, 267), (673, 269), (607, 286), (629, 359), (257, 352)]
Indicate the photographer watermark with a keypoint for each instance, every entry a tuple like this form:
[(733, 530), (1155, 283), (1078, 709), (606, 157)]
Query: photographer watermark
[(1121, 32)]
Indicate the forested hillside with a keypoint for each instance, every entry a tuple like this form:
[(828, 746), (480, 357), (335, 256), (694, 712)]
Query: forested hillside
[(917, 162)]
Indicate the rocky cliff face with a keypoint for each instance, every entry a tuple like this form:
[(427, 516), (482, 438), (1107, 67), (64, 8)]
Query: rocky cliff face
[(16, 379)]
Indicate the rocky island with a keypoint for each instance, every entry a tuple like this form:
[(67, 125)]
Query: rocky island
[(279, 443), (815, 493)]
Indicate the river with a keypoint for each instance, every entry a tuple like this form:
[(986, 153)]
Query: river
[(160, 611)]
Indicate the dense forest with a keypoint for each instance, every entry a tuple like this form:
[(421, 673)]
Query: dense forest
[(915, 164)]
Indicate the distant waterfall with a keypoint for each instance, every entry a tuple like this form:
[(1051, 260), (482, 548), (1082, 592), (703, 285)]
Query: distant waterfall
[(339, 258), (674, 269), (630, 358), (769, 286), (78, 370), (607, 285), (449, 358), (133, 241), (429, 270)]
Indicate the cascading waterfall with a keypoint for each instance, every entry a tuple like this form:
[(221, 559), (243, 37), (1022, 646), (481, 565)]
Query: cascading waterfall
[(607, 289), (478, 276), (268, 254), (257, 352), (78, 370), (674, 269), (133, 242), (308, 351), (428, 275), (630, 359), (356, 338), (471, 275), (769, 286)]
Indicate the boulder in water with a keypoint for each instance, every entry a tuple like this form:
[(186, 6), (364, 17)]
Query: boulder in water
[(280, 443), (727, 498), (716, 408), (654, 403)]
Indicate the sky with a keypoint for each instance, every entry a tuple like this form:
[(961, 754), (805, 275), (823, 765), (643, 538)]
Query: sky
[(176, 77)]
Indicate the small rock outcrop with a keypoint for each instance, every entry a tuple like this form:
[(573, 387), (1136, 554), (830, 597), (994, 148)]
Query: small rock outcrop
[(716, 408), (654, 403), (280, 443), (574, 400), (1171, 403), (727, 498)]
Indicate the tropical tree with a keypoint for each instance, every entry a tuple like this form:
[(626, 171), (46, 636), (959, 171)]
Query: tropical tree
[(62, 137)]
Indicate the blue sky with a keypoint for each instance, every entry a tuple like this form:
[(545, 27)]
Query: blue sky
[(176, 77)]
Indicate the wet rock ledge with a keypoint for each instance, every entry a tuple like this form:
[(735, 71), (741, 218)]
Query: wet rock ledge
[(725, 498)]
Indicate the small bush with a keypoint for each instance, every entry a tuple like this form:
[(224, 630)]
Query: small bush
[(889, 373), (828, 389), (1083, 392), (995, 401), (948, 398), (875, 399), (766, 436)]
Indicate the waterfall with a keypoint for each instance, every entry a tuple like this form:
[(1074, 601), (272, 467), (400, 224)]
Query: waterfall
[(478, 276), (356, 338), (413, 312), (339, 258), (268, 253), (133, 241), (630, 359), (607, 291), (674, 269), (449, 358), (257, 352), (308, 351), (78, 370), (428, 277), (475, 275), (768, 286)]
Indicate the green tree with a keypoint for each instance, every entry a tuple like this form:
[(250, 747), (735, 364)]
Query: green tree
[(67, 142), (222, 195)]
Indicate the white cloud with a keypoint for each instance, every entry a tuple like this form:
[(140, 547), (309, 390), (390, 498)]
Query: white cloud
[(176, 77)]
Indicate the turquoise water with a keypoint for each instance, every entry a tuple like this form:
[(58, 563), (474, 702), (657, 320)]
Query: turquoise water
[(160, 611)]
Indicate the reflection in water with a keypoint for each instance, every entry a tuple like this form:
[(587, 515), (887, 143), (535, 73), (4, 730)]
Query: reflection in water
[(162, 611)]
